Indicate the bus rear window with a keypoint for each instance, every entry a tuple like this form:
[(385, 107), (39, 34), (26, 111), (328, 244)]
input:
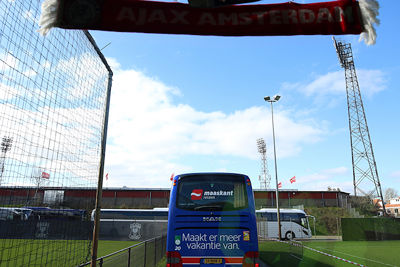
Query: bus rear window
[(212, 192)]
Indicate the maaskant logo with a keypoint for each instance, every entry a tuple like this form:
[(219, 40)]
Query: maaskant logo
[(217, 194), (196, 194)]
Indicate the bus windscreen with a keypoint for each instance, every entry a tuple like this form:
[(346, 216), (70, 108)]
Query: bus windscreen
[(212, 193)]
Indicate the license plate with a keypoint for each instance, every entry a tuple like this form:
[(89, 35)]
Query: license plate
[(212, 261)]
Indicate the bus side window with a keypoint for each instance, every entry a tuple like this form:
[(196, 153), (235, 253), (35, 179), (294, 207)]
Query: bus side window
[(286, 217), (272, 217), (295, 217)]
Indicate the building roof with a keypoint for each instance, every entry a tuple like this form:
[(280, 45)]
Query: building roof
[(392, 205)]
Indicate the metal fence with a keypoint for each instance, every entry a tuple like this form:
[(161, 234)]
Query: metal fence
[(144, 254)]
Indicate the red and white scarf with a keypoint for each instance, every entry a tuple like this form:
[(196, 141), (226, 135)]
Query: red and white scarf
[(325, 18)]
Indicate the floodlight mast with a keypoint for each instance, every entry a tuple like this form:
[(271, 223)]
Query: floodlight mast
[(5, 147), (362, 153), (265, 178)]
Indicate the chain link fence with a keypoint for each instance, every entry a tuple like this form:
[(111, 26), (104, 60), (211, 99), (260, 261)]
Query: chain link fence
[(53, 96)]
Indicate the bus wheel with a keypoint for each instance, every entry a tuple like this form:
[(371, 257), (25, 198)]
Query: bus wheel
[(289, 235)]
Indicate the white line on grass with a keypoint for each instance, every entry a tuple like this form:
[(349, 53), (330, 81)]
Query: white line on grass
[(337, 251), (321, 252), (336, 257)]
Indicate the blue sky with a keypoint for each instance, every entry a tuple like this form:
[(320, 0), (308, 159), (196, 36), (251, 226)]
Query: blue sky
[(185, 103)]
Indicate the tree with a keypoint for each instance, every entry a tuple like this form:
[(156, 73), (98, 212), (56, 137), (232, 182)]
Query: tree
[(37, 178), (390, 193), (364, 204)]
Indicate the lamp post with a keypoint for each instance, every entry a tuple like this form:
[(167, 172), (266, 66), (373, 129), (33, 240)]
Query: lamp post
[(272, 100)]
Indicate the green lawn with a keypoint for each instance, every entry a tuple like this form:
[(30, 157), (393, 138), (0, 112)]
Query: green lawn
[(24, 252), (162, 262), (29, 252), (369, 253), (107, 247)]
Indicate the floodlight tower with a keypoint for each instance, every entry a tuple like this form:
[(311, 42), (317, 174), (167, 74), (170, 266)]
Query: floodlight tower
[(363, 160), (265, 178), (5, 147)]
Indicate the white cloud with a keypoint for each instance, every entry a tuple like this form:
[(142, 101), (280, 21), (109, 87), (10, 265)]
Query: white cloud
[(149, 134), (29, 15), (29, 73), (114, 64), (324, 175), (329, 177), (78, 73), (371, 81), (331, 84), (7, 62), (7, 92), (42, 139)]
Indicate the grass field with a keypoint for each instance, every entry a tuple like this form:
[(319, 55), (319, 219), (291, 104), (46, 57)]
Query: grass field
[(107, 247), (24, 252), (29, 252), (368, 253)]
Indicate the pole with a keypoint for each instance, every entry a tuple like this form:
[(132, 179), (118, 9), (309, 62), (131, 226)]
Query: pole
[(99, 190), (276, 176)]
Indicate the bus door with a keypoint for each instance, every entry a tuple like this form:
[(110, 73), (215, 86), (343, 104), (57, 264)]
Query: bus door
[(305, 226)]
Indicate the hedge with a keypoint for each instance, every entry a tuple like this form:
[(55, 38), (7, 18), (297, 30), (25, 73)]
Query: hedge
[(371, 229)]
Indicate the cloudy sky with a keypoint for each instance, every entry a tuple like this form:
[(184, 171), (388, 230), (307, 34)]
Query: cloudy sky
[(195, 103)]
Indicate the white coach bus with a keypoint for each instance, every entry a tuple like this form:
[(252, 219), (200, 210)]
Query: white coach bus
[(294, 223)]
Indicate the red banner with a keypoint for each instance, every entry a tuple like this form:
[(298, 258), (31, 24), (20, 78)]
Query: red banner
[(329, 18)]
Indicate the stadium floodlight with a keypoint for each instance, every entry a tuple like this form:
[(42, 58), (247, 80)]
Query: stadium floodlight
[(5, 147), (262, 148), (6, 144)]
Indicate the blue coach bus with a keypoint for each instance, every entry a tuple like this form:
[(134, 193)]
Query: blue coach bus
[(212, 221)]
